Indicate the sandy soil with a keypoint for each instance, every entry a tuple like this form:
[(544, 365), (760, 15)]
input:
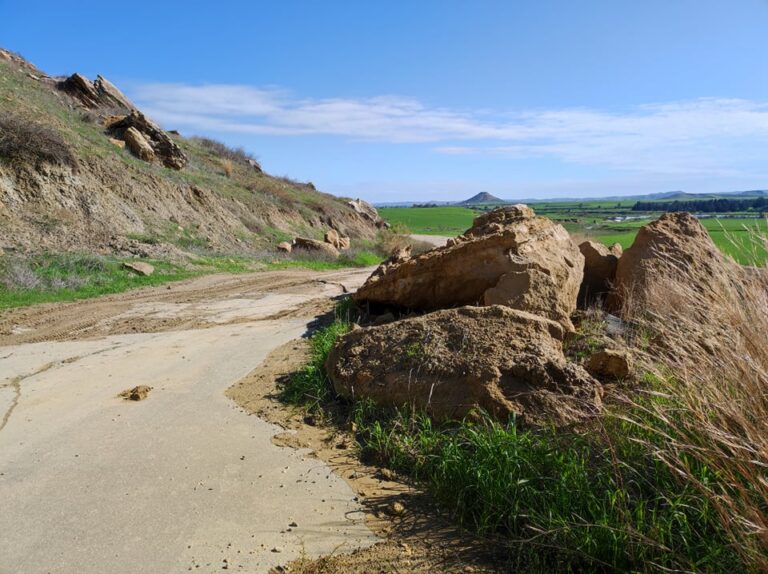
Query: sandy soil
[(417, 540)]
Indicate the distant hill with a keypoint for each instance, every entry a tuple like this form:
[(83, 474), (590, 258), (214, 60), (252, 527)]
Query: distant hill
[(482, 197)]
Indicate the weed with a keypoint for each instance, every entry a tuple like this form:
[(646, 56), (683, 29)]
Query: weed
[(24, 140)]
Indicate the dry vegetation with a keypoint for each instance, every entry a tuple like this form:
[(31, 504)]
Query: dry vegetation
[(23, 140)]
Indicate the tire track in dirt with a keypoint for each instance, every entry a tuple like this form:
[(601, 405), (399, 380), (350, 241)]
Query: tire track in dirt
[(90, 318)]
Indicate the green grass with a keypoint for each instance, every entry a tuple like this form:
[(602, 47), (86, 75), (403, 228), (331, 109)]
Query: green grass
[(50, 278), (430, 220), (69, 277), (595, 499), (735, 237)]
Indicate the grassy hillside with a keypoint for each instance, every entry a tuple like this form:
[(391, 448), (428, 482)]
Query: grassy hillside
[(217, 202)]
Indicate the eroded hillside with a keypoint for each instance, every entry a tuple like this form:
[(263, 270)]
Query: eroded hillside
[(93, 193)]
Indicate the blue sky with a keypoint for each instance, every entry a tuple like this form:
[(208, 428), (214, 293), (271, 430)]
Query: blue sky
[(420, 100)]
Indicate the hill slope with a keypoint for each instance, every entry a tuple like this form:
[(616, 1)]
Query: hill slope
[(89, 192)]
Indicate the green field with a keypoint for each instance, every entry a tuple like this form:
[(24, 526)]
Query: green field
[(743, 239)]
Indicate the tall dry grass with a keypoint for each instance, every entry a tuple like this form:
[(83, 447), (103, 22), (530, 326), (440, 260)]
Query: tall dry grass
[(709, 358)]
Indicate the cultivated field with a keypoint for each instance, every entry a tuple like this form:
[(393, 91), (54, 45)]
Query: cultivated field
[(738, 234)]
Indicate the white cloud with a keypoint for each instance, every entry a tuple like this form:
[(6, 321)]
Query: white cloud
[(717, 136)]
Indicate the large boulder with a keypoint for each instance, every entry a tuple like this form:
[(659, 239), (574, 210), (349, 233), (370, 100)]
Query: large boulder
[(600, 264), (164, 147), (367, 211), (334, 238), (509, 257), (314, 246), (676, 247), (505, 361)]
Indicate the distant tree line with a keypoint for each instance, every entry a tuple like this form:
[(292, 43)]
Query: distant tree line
[(704, 205)]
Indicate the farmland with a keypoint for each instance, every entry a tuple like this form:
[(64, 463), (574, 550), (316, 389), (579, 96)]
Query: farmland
[(738, 234)]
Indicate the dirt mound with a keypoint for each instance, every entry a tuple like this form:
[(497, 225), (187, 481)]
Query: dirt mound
[(506, 361), (509, 257)]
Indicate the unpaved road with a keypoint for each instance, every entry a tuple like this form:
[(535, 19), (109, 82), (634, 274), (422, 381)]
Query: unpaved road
[(183, 480)]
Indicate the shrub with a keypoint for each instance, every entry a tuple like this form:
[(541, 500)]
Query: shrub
[(25, 140), (227, 166), (222, 151)]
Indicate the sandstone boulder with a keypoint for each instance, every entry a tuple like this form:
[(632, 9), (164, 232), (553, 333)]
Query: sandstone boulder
[(163, 146), (600, 264), (609, 365), (505, 361), (675, 245), (140, 267), (367, 211), (334, 238), (509, 257), (314, 246), (285, 247), (138, 144)]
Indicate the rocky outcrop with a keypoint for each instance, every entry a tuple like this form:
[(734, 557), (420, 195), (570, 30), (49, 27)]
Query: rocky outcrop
[(600, 264), (367, 211), (166, 150), (98, 94), (505, 361), (509, 257), (314, 246), (138, 144), (675, 245)]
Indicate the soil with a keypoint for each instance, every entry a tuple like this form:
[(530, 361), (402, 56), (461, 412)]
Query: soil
[(415, 537)]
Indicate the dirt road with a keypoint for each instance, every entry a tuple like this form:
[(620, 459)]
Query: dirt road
[(183, 480)]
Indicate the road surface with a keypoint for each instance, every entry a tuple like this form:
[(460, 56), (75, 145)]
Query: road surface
[(183, 480)]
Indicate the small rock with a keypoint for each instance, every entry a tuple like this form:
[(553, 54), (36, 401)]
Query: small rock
[(117, 142), (140, 267), (285, 247), (396, 509), (138, 393), (386, 474), (293, 525), (383, 319), (277, 549), (609, 364)]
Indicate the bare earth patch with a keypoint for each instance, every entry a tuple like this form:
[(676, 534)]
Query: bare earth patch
[(414, 537)]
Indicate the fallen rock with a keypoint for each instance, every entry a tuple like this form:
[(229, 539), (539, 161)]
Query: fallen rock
[(510, 257), (344, 243), (600, 264), (116, 142), (136, 393), (675, 245), (332, 237), (609, 365), (285, 247), (367, 211), (312, 245), (139, 267), (161, 143), (138, 144), (505, 361)]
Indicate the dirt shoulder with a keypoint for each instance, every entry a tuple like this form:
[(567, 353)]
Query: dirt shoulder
[(415, 540)]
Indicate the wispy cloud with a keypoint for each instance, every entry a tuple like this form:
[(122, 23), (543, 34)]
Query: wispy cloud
[(709, 135)]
